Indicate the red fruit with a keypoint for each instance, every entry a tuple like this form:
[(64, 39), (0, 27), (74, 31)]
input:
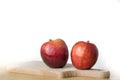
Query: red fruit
[(54, 53), (84, 55)]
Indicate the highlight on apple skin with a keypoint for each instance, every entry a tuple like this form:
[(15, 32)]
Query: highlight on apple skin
[(84, 55), (54, 53)]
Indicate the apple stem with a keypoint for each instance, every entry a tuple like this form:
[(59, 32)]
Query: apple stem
[(50, 39), (88, 41)]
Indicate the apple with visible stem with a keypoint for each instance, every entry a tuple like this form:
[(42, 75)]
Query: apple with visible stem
[(84, 55), (54, 53)]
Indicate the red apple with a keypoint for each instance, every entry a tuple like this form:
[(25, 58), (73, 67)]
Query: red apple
[(84, 55), (54, 53)]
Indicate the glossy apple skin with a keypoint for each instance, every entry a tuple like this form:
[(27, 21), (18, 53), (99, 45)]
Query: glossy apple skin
[(54, 53), (84, 55)]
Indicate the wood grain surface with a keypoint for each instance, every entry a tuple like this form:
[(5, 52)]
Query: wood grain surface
[(39, 68)]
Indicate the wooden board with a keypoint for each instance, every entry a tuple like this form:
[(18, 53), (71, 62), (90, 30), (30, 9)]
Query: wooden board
[(39, 68)]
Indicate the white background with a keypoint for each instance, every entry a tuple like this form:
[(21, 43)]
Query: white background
[(26, 24)]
